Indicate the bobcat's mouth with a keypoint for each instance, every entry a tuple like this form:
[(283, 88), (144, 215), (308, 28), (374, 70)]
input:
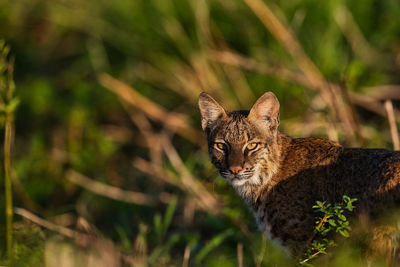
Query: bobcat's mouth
[(237, 179), (245, 177)]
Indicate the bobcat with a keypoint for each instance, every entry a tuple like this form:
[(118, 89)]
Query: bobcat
[(280, 177)]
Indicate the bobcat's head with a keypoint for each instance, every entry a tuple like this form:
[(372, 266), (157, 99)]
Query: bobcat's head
[(242, 144)]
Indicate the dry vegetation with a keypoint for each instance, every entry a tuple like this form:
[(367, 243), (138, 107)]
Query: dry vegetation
[(109, 164)]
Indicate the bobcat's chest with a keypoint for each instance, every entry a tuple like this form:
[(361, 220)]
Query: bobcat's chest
[(285, 223), (267, 228)]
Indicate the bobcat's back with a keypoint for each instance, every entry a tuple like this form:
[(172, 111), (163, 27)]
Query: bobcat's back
[(316, 169)]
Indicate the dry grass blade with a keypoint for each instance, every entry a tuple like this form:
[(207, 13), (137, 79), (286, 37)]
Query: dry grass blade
[(234, 59), (352, 32), (154, 76), (174, 122), (151, 138), (49, 225), (186, 256), (191, 184), (383, 92), (104, 247), (260, 255), (21, 192), (369, 100), (240, 254), (239, 83), (113, 192), (371, 104), (392, 124), (202, 14), (192, 202), (155, 171), (330, 93), (286, 39)]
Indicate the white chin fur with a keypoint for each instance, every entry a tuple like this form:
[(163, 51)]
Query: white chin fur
[(237, 182), (253, 180)]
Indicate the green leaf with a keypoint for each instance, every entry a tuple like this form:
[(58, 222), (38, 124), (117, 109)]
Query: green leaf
[(344, 233), (325, 232), (332, 222), (169, 214), (158, 226), (212, 244), (12, 106), (126, 243), (163, 249)]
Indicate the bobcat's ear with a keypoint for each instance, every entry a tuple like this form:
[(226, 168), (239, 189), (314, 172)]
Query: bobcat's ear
[(210, 110), (266, 111)]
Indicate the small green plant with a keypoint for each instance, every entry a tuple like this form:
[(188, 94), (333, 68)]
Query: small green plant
[(161, 251), (330, 218), (161, 225)]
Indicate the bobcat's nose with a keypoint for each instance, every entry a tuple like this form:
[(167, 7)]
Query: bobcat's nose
[(235, 169)]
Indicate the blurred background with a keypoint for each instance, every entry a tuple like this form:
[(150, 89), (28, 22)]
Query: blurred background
[(109, 164)]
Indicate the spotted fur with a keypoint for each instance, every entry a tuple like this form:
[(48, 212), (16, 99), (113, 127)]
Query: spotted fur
[(282, 178)]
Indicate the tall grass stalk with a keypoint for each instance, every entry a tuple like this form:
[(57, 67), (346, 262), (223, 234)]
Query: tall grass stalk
[(8, 105)]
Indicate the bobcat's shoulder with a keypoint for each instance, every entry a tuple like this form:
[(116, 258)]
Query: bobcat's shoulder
[(306, 153)]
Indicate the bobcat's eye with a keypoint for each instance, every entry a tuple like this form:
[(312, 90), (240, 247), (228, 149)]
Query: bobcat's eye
[(251, 146), (220, 146)]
